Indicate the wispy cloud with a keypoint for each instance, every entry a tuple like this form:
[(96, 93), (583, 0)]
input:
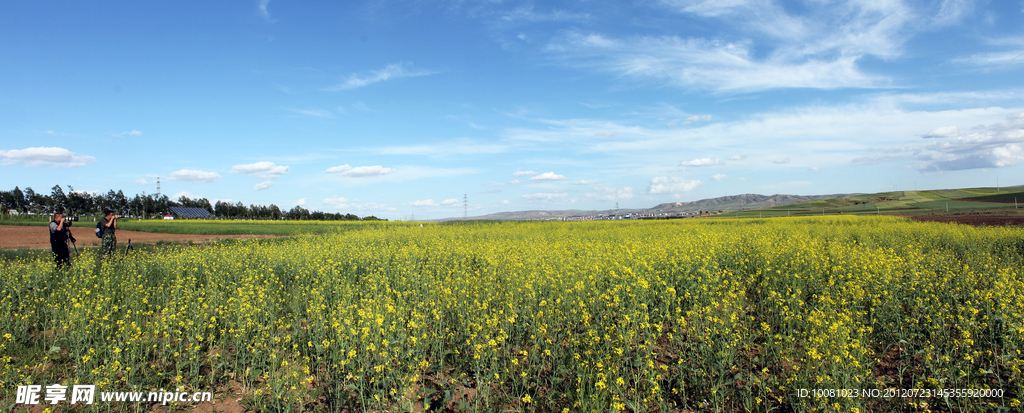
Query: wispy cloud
[(707, 64), (610, 193), (787, 185), (319, 113), (391, 71), (263, 185), (1009, 52), (132, 132), (523, 173), (545, 196), (462, 146), (672, 185), (261, 7), (767, 46), (340, 203), (527, 13), (44, 156), (359, 171)]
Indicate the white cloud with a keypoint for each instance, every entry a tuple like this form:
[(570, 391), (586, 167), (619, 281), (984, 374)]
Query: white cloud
[(450, 201), (993, 146), (264, 170), (719, 177), (547, 176), (544, 196), (703, 162), (360, 171), (943, 132), (584, 182), (191, 175), (523, 173), (672, 185), (391, 71), (185, 194), (696, 118), (515, 181), (814, 169), (141, 181), (263, 185), (505, 202), (781, 161), (300, 202), (811, 135), (44, 156), (611, 194)]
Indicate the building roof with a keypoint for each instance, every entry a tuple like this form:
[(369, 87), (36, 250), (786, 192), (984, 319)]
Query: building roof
[(189, 212)]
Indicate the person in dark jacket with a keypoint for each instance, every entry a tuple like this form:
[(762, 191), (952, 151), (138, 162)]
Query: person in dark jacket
[(60, 234)]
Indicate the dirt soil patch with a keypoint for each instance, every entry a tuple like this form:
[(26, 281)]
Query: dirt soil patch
[(977, 219), (13, 236)]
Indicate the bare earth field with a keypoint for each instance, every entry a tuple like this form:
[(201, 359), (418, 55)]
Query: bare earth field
[(976, 219), (12, 236)]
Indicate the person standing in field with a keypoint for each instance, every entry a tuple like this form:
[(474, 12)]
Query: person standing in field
[(60, 233), (108, 225)]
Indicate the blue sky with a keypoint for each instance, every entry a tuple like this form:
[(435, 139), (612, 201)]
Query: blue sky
[(400, 108)]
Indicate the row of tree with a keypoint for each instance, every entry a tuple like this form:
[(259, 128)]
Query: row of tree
[(75, 203)]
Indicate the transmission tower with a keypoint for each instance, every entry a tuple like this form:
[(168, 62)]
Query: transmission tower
[(465, 206)]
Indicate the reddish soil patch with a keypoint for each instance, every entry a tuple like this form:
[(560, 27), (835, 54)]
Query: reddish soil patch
[(12, 236), (976, 219)]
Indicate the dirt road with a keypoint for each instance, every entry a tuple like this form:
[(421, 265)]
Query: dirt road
[(12, 236)]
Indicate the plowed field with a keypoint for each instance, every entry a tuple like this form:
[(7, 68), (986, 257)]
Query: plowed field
[(12, 236)]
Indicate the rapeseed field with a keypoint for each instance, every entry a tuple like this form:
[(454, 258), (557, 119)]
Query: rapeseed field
[(688, 315)]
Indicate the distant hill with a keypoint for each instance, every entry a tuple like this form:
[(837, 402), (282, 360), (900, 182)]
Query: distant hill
[(738, 202), (725, 203)]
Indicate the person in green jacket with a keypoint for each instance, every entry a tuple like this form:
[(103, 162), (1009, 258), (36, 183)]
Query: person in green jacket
[(108, 225)]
